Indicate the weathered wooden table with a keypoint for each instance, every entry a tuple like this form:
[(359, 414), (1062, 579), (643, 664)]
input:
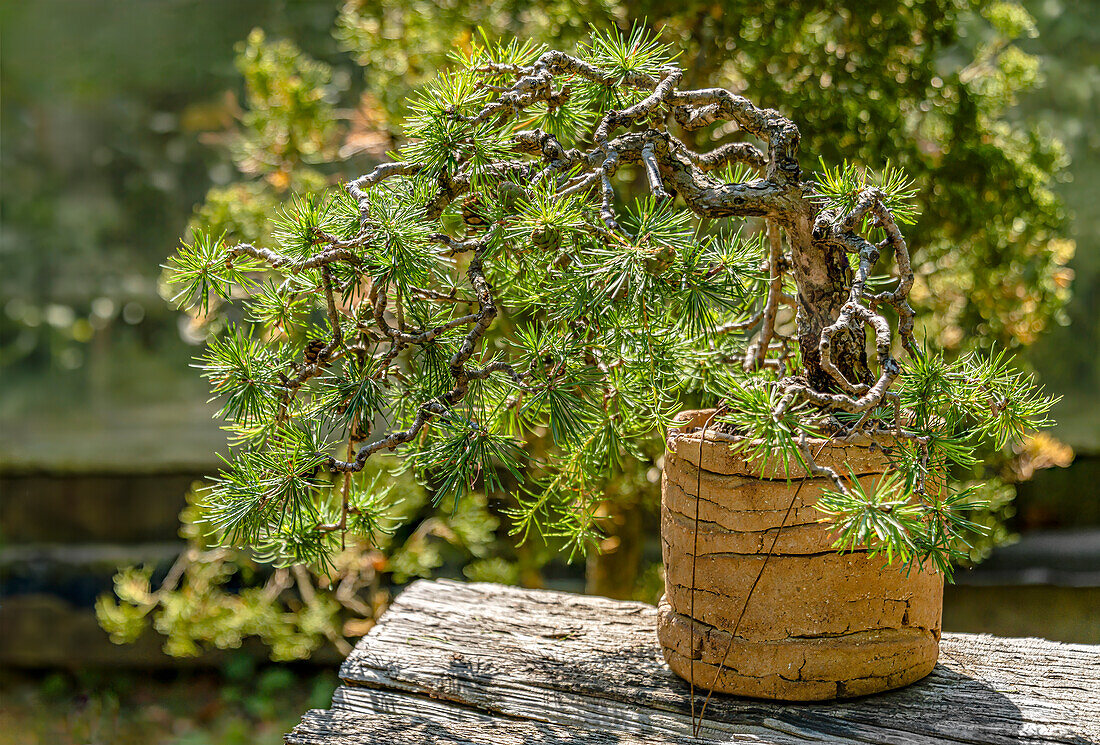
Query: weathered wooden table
[(478, 663)]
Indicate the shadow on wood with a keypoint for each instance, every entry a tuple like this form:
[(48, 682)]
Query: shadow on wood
[(473, 663)]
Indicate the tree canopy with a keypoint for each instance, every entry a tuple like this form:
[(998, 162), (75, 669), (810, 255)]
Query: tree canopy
[(377, 300), (925, 86)]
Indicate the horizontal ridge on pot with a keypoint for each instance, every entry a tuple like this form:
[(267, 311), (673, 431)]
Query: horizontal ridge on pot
[(809, 669), (819, 624)]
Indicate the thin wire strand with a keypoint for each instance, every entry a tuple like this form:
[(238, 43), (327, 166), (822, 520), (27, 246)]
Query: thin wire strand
[(696, 727), (694, 553)]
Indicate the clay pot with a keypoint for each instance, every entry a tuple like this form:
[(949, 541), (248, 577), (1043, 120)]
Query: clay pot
[(819, 625)]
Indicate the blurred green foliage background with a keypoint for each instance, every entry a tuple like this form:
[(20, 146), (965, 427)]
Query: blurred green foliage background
[(125, 122), (116, 128)]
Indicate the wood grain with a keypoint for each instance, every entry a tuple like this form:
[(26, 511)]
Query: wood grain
[(480, 663)]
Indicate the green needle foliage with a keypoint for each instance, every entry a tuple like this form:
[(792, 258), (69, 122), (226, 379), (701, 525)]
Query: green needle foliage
[(492, 288), (197, 277), (954, 408), (840, 188), (883, 518)]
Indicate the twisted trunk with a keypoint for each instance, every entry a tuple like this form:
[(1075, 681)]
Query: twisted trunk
[(824, 276), (821, 267)]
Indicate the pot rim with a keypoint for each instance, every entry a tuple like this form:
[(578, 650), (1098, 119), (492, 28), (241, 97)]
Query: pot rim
[(687, 425)]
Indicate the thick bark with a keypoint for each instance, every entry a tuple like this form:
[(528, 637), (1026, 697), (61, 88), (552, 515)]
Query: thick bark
[(824, 278), (821, 267)]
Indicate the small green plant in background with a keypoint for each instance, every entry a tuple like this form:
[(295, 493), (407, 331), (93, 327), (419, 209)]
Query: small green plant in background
[(217, 597)]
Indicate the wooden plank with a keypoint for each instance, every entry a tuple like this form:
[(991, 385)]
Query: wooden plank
[(572, 714), (591, 664), (396, 719)]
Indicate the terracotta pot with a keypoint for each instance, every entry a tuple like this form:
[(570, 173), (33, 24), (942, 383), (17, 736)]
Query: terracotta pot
[(819, 625)]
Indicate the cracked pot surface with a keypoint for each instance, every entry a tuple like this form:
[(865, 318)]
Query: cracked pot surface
[(817, 624)]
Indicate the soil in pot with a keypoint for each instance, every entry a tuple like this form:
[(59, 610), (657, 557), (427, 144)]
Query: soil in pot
[(819, 625)]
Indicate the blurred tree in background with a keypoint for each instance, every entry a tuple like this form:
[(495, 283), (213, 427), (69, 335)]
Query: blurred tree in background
[(929, 84), (926, 84), (1068, 105)]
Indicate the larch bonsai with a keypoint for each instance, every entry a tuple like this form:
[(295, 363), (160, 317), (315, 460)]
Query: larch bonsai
[(491, 284)]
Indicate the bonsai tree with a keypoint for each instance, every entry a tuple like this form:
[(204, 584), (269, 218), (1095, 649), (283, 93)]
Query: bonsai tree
[(490, 284)]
